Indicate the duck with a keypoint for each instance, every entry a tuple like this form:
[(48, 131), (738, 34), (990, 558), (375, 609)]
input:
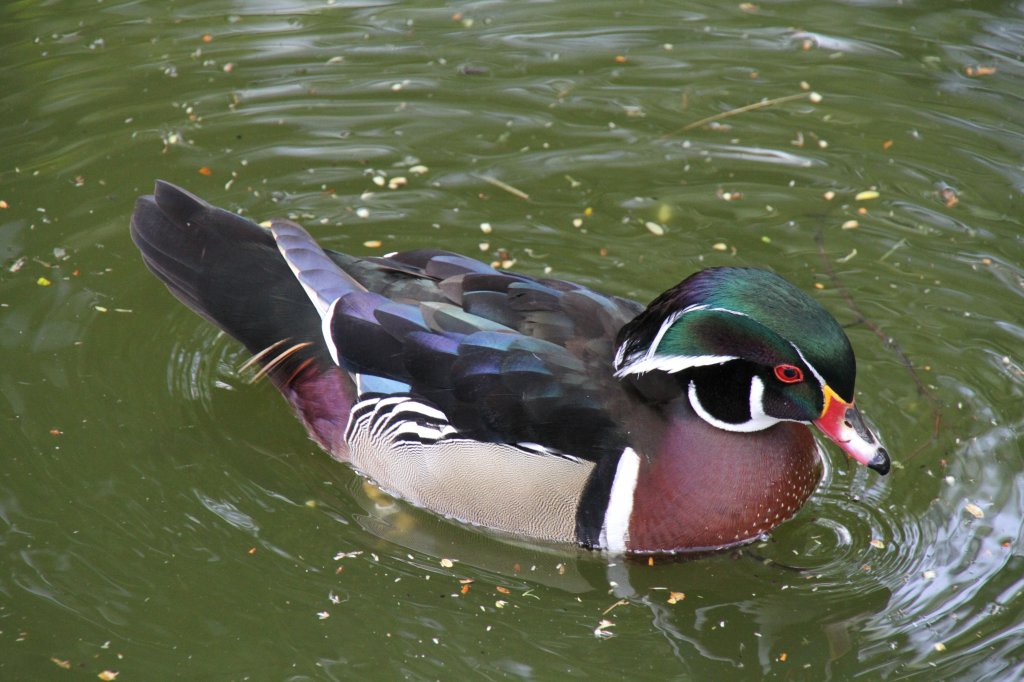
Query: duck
[(531, 406)]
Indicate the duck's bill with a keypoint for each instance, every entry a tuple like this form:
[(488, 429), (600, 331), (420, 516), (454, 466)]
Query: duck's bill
[(843, 423)]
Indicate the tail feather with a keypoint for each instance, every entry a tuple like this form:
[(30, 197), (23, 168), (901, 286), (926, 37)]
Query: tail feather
[(229, 270), (214, 261)]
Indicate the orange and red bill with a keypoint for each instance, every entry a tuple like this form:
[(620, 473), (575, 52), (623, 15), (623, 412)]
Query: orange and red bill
[(842, 422)]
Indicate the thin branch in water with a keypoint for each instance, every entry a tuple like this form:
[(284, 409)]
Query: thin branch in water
[(897, 245), (514, 191), (813, 96)]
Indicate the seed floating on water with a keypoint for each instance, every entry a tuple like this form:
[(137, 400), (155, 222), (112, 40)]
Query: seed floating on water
[(654, 228)]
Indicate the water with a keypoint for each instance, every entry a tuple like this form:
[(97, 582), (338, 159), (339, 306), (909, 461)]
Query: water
[(163, 518)]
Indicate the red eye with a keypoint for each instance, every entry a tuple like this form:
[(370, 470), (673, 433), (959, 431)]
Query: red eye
[(788, 374)]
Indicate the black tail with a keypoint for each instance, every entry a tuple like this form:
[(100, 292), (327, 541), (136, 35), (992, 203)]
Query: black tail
[(228, 270)]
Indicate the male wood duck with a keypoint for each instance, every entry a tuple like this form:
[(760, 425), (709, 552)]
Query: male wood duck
[(531, 406)]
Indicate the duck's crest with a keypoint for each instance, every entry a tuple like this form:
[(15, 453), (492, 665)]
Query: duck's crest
[(765, 298)]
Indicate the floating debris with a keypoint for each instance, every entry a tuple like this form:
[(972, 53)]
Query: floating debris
[(975, 71), (950, 197), (974, 510), (654, 228), (812, 96), (514, 191)]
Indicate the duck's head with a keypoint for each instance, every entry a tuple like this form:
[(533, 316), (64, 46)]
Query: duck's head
[(748, 349)]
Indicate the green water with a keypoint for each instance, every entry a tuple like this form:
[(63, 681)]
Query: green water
[(162, 518)]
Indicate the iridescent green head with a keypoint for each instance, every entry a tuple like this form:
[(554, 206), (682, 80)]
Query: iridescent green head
[(750, 350)]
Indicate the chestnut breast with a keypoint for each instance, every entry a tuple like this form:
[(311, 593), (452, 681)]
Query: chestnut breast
[(707, 488)]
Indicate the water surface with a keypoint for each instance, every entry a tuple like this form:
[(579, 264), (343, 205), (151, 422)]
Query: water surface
[(162, 518)]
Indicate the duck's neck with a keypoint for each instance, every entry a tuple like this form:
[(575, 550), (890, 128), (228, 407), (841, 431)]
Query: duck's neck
[(700, 487)]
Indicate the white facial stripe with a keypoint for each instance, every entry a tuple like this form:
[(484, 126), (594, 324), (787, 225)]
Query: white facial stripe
[(669, 321), (817, 375), (615, 530), (671, 363), (650, 361), (758, 419), (636, 358)]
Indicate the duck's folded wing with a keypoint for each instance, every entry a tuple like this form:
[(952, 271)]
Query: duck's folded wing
[(493, 358)]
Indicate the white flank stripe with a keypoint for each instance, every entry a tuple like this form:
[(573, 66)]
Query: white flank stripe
[(419, 408), (615, 530), (414, 429)]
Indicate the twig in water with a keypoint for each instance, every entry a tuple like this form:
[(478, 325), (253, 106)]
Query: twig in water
[(514, 191), (813, 96)]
